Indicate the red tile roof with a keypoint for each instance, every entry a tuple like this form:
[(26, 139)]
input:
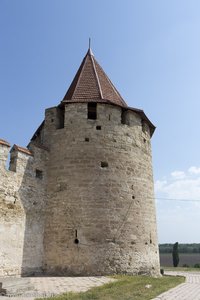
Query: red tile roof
[(92, 84), (5, 143), (21, 149)]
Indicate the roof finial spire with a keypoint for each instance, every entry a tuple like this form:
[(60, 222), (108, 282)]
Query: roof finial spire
[(90, 50)]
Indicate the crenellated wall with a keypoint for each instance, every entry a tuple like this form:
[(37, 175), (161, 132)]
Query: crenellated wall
[(22, 203)]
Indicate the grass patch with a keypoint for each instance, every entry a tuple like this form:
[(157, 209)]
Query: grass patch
[(126, 288)]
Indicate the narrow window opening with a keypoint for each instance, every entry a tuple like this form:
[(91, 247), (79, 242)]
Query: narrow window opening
[(38, 174), (87, 139), (60, 118), (98, 127), (109, 117), (104, 164), (150, 239), (124, 117), (8, 162), (143, 126), (13, 163), (76, 241), (92, 111), (133, 197)]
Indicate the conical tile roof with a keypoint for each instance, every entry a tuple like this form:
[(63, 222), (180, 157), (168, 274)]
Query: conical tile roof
[(92, 84)]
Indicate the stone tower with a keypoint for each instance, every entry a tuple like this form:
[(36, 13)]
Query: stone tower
[(84, 196)]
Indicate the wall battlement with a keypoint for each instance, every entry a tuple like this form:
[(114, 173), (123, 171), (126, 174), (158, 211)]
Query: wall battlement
[(22, 203), (18, 156)]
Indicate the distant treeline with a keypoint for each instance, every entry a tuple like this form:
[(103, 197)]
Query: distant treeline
[(182, 248)]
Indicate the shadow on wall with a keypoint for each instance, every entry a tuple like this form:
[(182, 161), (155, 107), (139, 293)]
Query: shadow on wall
[(32, 197)]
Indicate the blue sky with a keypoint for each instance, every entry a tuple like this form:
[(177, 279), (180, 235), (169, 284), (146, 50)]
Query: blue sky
[(149, 49)]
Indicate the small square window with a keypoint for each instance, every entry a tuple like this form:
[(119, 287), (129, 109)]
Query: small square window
[(38, 174), (104, 164), (98, 127)]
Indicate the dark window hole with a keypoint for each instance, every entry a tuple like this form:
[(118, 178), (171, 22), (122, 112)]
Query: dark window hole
[(38, 174), (133, 197), (98, 127), (104, 164), (92, 111), (143, 126), (87, 139), (60, 118), (150, 241), (76, 241), (124, 117)]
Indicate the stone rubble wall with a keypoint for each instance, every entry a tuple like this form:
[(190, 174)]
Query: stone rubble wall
[(22, 202), (80, 199), (109, 211)]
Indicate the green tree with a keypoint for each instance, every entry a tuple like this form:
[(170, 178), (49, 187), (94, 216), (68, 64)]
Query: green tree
[(175, 255)]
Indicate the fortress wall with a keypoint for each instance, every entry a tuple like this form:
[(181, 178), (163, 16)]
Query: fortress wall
[(100, 189), (21, 211), (33, 197), (4, 151), (11, 223), (85, 206)]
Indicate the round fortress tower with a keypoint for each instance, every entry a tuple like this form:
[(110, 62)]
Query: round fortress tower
[(100, 211)]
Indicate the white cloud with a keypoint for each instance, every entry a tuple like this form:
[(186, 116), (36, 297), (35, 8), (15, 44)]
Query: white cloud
[(194, 170), (183, 189), (180, 185), (177, 220), (178, 174), (159, 185)]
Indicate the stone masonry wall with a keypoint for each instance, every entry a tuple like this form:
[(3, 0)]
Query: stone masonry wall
[(22, 202), (80, 201), (100, 215)]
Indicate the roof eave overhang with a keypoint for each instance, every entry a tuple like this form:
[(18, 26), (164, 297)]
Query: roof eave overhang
[(104, 101)]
